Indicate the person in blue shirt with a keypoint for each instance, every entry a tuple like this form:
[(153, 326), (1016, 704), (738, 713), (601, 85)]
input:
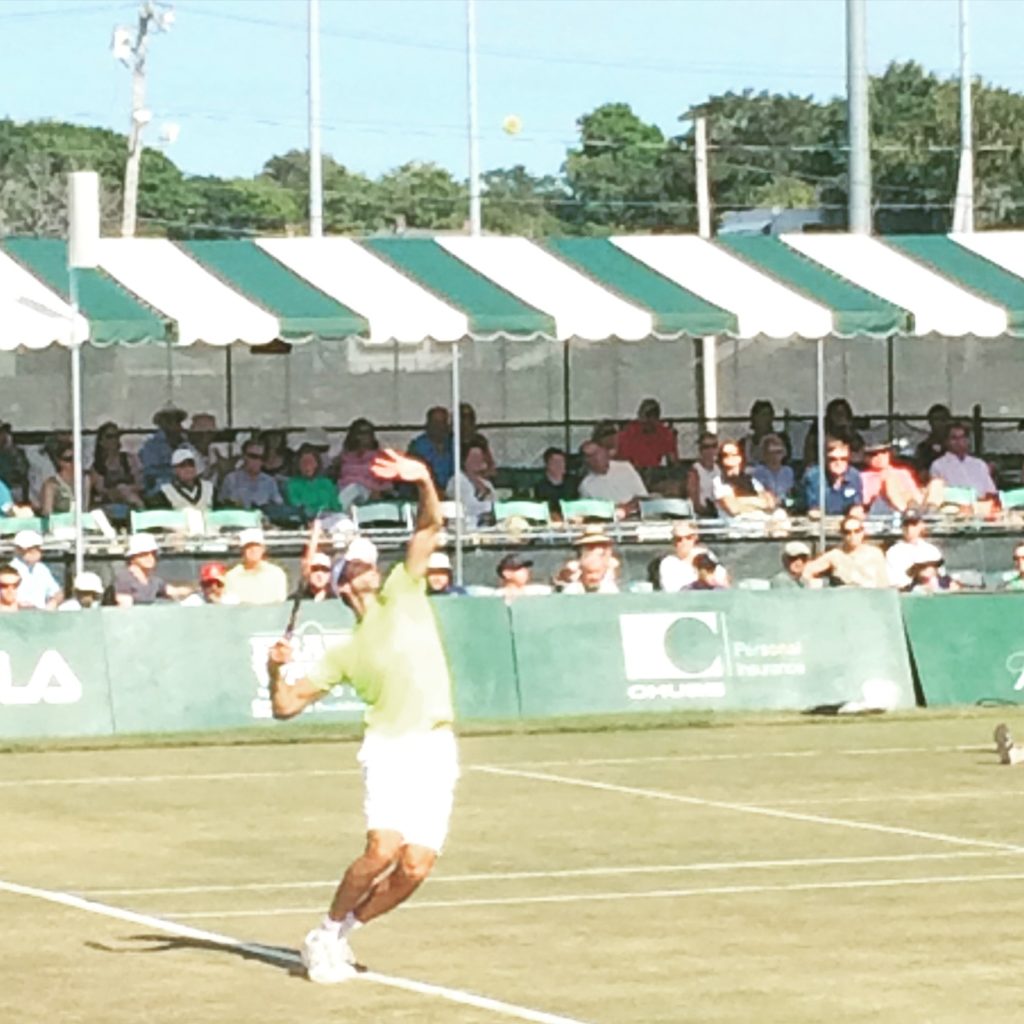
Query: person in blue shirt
[(155, 454), (434, 446), (843, 487)]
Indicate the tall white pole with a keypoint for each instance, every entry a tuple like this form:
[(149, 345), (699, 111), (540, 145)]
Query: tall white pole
[(83, 252), (316, 184), (820, 381), (963, 210), (457, 458), (472, 112), (138, 123), (858, 113), (708, 344)]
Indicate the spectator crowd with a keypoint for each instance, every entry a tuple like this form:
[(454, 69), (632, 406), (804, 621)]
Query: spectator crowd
[(750, 478)]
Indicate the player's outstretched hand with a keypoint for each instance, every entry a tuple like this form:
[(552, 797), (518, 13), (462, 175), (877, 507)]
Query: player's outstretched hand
[(392, 465), (280, 654)]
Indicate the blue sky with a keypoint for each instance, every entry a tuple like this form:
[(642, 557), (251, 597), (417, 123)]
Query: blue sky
[(232, 73)]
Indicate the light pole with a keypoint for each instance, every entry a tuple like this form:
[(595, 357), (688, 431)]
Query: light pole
[(153, 16), (473, 119), (316, 182)]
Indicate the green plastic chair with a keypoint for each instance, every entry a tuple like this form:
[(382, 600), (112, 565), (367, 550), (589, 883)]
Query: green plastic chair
[(533, 511), (171, 519), (10, 525), (386, 514), (233, 519), (666, 508), (588, 510), (958, 496), (92, 522)]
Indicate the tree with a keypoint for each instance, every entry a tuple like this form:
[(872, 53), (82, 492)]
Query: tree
[(238, 206), (514, 202), (766, 150), (422, 195), (617, 177)]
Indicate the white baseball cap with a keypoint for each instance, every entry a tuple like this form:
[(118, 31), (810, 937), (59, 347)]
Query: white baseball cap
[(142, 544), (183, 455), (439, 561), (26, 539), (250, 535), (361, 549), (88, 582)]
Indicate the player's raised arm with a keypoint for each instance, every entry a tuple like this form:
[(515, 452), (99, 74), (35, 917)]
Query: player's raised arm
[(287, 699), (392, 465)]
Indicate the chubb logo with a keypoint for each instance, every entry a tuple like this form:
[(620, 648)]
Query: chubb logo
[(51, 682), (672, 645), (308, 646)]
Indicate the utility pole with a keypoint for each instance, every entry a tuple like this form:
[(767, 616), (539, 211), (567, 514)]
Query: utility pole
[(153, 16), (708, 354), (475, 223), (858, 118), (316, 180), (963, 209)]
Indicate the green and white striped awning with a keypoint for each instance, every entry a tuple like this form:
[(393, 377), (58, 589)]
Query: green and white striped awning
[(385, 291)]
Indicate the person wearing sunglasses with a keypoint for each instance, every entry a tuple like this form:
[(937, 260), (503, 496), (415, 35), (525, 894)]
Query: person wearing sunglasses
[(853, 563), (10, 580), (1016, 577), (249, 486), (58, 491), (844, 489)]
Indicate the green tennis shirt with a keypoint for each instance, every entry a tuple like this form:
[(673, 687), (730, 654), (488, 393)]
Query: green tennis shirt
[(394, 661)]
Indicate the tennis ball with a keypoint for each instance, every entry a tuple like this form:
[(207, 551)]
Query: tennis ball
[(512, 125)]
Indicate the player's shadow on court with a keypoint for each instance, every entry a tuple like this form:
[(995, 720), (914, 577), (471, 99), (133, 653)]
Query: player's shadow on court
[(282, 957)]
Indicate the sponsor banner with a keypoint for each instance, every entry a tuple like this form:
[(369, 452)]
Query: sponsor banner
[(967, 648), (728, 649), (180, 669), (477, 636), (53, 676), (170, 669)]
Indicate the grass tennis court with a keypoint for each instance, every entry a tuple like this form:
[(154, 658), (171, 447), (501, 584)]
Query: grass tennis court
[(769, 869)]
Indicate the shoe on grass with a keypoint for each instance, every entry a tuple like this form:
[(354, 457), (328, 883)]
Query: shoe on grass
[(327, 958), (1009, 752)]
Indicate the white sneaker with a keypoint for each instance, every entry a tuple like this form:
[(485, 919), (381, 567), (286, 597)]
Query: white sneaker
[(1009, 752), (327, 958)]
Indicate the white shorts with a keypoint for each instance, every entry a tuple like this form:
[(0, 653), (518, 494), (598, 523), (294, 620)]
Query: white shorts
[(410, 784)]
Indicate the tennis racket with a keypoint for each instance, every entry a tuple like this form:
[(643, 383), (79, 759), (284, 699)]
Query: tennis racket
[(312, 543)]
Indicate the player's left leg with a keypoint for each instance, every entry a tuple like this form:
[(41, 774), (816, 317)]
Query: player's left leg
[(415, 863)]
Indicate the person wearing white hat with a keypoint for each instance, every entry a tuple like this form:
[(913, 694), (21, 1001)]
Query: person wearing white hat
[(87, 591), (255, 580), (185, 489), (137, 582), (439, 577), (396, 663), (317, 584), (39, 588)]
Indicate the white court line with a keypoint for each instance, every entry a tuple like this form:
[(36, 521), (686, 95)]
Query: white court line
[(603, 872), (888, 798), (606, 897), (117, 780), (285, 956), (769, 812), (109, 780)]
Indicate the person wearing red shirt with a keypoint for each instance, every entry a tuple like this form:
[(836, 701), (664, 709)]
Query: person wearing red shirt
[(646, 441)]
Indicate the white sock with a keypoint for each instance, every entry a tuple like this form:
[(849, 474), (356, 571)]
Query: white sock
[(331, 926), (350, 924)]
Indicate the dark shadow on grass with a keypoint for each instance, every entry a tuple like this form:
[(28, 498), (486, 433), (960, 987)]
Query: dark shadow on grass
[(284, 958), (281, 957)]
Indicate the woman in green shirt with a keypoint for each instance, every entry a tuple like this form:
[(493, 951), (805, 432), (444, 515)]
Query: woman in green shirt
[(311, 490)]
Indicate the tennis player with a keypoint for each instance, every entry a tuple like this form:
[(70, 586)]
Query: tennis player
[(396, 664)]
